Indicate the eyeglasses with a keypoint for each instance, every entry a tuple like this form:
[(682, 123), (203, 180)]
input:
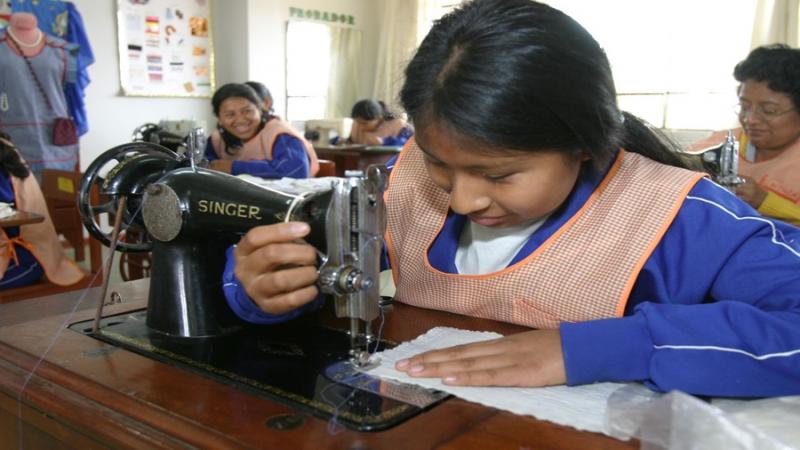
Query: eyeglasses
[(764, 113)]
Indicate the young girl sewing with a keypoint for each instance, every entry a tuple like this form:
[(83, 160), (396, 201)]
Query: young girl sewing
[(528, 197)]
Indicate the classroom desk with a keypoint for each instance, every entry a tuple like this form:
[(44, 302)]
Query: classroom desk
[(355, 157), (87, 394), (21, 218)]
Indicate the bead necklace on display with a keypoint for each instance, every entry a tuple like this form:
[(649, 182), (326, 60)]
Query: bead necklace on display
[(23, 44)]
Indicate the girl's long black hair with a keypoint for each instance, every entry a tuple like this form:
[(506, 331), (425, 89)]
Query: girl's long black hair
[(517, 74), (10, 161)]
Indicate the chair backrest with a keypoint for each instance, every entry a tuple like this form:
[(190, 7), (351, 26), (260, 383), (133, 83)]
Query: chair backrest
[(60, 190), (327, 168), (61, 185)]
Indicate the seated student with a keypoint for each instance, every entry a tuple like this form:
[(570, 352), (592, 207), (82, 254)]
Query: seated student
[(31, 251), (567, 216), (250, 140), (263, 94), (769, 140), (374, 124)]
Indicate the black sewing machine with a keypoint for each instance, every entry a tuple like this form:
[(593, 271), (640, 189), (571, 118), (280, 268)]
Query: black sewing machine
[(721, 161), (156, 134), (188, 215)]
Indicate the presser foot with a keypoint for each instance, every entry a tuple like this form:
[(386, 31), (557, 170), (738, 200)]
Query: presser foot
[(346, 373)]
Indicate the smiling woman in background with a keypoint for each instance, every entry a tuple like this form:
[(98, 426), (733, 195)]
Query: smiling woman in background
[(769, 96), (250, 140)]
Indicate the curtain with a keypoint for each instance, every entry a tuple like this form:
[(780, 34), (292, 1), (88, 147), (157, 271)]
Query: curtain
[(344, 74), (403, 26), (776, 21)]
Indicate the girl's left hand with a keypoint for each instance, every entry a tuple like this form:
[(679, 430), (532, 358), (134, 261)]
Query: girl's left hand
[(531, 359)]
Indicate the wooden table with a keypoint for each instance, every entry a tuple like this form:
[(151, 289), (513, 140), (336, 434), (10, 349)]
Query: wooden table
[(21, 218), (86, 394), (355, 157)]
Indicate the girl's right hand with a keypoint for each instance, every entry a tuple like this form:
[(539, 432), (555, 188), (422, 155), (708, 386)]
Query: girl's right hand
[(277, 271)]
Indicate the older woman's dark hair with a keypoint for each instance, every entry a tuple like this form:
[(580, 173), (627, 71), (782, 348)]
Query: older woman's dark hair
[(10, 161), (229, 90), (521, 75), (778, 65)]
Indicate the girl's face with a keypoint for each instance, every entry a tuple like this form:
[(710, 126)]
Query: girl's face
[(239, 117), (769, 118), (498, 188)]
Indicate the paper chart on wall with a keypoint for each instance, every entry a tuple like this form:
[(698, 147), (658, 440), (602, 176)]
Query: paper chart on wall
[(165, 48)]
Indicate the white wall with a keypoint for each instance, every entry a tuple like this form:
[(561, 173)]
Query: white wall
[(230, 33), (267, 32), (249, 44)]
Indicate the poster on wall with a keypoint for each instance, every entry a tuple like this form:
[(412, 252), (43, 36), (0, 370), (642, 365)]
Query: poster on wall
[(165, 48)]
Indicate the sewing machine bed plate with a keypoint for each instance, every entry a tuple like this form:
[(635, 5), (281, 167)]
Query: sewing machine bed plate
[(296, 365)]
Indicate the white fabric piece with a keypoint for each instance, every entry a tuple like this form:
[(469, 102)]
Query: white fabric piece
[(484, 250), (6, 210), (730, 424), (387, 287), (580, 407), (292, 186)]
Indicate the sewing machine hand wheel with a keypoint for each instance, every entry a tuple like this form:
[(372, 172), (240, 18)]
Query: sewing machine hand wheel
[(125, 170), (142, 132)]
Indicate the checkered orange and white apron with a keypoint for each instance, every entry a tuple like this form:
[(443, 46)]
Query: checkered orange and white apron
[(584, 271)]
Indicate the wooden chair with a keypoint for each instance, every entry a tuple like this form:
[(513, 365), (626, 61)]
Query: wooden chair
[(327, 168), (60, 189)]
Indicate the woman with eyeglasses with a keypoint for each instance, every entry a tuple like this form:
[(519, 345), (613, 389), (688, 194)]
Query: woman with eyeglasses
[(769, 140)]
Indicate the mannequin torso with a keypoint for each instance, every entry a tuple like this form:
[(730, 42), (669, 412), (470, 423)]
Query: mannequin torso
[(30, 105), (22, 29)]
